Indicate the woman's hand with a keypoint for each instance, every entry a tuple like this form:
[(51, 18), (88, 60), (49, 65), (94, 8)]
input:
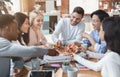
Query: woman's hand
[(85, 35), (59, 43)]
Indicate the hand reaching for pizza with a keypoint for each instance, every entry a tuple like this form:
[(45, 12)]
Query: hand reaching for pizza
[(70, 48)]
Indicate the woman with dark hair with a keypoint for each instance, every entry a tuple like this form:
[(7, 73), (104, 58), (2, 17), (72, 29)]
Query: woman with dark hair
[(93, 39), (109, 65), (23, 26), (111, 27)]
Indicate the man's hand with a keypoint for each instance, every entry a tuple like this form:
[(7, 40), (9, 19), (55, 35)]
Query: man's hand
[(52, 52), (17, 73)]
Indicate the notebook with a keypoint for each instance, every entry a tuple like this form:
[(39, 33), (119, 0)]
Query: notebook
[(60, 58)]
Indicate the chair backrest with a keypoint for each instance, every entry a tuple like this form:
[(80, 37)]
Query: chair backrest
[(4, 67)]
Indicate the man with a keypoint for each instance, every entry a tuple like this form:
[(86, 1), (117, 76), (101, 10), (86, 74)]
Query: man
[(9, 32), (3, 9), (69, 30)]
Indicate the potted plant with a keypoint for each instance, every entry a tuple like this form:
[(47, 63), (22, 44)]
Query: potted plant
[(3, 5), (65, 66)]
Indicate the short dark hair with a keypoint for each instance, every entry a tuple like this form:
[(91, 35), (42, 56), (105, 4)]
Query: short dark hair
[(5, 20), (101, 14), (79, 10), (111, 28)]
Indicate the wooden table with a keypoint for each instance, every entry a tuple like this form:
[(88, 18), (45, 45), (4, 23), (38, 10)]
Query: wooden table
[(81, 73)]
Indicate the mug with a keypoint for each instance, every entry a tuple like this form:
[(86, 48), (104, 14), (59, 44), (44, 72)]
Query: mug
[(72, 72)]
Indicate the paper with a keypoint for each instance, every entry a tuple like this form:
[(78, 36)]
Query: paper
[(55, 65), (61, 58)]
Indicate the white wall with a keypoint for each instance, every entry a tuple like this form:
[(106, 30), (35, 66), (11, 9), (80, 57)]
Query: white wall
[(16, 5), (49, 5), (88, 5)]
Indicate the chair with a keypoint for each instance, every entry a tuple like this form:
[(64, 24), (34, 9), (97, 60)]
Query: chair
[(4, 67)]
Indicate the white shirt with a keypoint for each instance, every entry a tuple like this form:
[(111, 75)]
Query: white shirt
[(109, 65), (67, 33)]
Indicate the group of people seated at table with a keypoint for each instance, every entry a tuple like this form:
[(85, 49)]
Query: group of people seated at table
[(104, 40), (69, 34)]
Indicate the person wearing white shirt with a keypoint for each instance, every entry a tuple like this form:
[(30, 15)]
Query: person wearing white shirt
[(69, 30), (109, 65)]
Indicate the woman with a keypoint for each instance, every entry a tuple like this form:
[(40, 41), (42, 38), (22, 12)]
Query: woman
[(36, 22), (109, 65), (23, 26), (23, 39), (93, 40)]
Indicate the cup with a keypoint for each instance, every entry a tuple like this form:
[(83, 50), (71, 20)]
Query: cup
[(72, 72), (65, 67)]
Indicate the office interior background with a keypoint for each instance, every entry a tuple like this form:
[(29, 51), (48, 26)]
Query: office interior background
[(53, 10)]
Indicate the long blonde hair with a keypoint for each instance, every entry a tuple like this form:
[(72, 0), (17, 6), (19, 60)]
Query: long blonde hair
[(33, 15)]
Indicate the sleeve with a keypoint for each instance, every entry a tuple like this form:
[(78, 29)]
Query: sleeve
[(100, 48), (58, 30), (96, 66), (86, 41), (16, 50), (94, 55)]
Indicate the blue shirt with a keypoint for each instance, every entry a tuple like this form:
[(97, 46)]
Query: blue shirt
[(100, 46)]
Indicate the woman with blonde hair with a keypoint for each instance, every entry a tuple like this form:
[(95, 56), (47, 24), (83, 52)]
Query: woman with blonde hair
[(36, 37)]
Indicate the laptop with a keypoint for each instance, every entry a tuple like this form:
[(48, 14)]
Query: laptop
[(41, 73)]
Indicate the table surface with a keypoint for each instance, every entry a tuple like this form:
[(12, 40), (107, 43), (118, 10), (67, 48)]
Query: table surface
[(81, 73)]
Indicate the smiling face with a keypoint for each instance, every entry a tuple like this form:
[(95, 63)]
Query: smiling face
[(75, 18), (38, 20), (96, 22), (25, 26)]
